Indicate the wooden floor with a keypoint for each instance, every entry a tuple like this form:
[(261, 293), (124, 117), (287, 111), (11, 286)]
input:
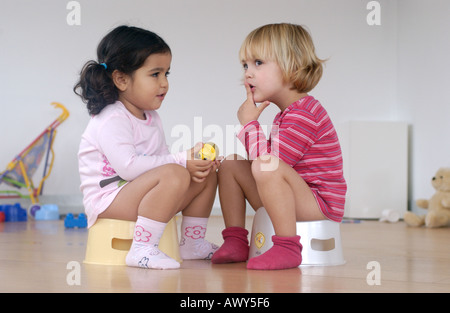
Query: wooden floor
[(37, 256)]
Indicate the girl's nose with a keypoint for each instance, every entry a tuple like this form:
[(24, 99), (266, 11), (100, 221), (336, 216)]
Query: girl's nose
[(164, 82)]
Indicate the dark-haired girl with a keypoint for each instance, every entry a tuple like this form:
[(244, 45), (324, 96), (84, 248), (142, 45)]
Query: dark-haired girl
[(126, 169)]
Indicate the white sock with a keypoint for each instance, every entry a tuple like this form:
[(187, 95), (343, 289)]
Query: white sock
[(144, 250), (193, 245)]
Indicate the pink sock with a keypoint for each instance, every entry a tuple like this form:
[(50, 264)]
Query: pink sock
[(235, 247), (193, 245), (285, 253), (144, 250)]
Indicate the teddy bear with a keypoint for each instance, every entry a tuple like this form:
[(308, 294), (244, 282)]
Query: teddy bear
[(438, 206)]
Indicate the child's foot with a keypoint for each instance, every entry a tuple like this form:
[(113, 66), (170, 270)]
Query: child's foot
[(149, 256), (235, 247), (197, 249), (193, 245), (144, 250), (285, 253)]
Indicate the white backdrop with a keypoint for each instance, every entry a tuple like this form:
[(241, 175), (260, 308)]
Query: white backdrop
[(398, 70)]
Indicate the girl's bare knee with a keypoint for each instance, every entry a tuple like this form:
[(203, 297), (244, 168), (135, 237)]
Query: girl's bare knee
[(175, 176), (230, 164), (265, 167)]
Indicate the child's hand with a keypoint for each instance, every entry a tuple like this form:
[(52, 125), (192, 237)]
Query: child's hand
[(249, 111), (193, 152), (200, 169)]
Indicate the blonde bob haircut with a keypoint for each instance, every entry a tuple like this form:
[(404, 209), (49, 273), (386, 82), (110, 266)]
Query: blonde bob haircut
[(291, 47)]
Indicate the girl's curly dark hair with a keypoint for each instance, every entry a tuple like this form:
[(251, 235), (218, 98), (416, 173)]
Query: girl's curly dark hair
[(124, 49)]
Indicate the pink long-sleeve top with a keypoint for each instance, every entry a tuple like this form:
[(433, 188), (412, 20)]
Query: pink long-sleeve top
[(304, 137), (117, 147)]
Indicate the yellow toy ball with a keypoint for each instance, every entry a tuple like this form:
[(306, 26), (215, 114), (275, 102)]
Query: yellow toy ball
[(209, 152)]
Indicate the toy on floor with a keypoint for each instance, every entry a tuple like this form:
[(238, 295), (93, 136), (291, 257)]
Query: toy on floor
[(71, 222), (438, 205), (210, 151), (47, 212), (14, 212)]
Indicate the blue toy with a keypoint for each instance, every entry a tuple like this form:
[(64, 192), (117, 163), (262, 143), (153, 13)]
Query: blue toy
[(14, 213), (47, 212), (71, 222)]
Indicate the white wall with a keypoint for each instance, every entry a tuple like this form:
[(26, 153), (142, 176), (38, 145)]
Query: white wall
[(373, 72), (423, 92)]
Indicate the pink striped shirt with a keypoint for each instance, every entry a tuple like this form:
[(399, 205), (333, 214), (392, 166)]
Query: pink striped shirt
[(304, 137)]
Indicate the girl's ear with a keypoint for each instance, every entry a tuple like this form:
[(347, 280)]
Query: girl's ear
[(121, 80)]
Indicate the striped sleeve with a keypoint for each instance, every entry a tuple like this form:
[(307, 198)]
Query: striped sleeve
[(254, 140), (288, 141)]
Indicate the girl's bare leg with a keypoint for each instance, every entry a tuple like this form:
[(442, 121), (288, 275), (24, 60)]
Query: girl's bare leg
[(156, 194), (236, 185), (196, 209), (152, 200), (268, 182), (199, 198), (285, 195), (287, 198)]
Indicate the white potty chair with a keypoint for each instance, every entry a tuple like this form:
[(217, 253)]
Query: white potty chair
[(321, 240)]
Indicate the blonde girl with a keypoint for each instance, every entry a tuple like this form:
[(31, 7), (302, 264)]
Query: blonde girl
[(297, 173)]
